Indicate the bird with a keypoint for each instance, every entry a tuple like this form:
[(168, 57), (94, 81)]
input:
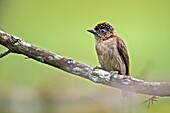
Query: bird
[(111, 50)]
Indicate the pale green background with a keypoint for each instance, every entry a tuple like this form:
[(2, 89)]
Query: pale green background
[(60, 27)]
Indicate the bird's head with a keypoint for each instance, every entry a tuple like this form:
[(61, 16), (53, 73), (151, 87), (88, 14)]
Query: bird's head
[(102, 31)]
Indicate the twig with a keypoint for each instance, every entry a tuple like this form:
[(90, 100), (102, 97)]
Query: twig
[(4, 54), (151, 100)]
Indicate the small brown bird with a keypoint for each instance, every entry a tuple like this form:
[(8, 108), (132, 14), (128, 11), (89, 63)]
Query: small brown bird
[(111, 50)]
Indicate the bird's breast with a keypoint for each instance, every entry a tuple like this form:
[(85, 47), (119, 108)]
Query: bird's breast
[(109, 57)]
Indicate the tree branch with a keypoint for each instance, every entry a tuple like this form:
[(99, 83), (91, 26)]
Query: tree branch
[(19, 46)]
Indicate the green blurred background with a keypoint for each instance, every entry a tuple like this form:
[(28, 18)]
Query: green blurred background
[(27, 86)]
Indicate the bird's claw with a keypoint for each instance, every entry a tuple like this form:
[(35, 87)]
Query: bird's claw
[(114, 72)]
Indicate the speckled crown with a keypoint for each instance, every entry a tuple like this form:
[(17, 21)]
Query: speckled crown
[(104, 25)]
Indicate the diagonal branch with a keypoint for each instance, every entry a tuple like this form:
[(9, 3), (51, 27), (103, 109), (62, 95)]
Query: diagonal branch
[(19, 46)]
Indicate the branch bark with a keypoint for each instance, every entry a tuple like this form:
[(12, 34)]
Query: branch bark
[(19, 46)]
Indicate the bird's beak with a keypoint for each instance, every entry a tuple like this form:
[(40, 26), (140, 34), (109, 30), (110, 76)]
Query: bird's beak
[(92, 31)]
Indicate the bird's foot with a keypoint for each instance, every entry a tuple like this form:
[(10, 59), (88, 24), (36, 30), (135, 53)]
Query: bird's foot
[(114, 72), (151, 100)]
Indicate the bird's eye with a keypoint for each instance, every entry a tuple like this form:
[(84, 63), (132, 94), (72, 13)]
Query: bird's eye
[(103, 30)]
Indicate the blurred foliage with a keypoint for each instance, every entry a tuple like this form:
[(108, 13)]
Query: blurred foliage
[(60, 27)]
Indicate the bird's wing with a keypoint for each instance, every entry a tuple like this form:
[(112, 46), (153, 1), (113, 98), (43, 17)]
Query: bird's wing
[(124, 54)]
